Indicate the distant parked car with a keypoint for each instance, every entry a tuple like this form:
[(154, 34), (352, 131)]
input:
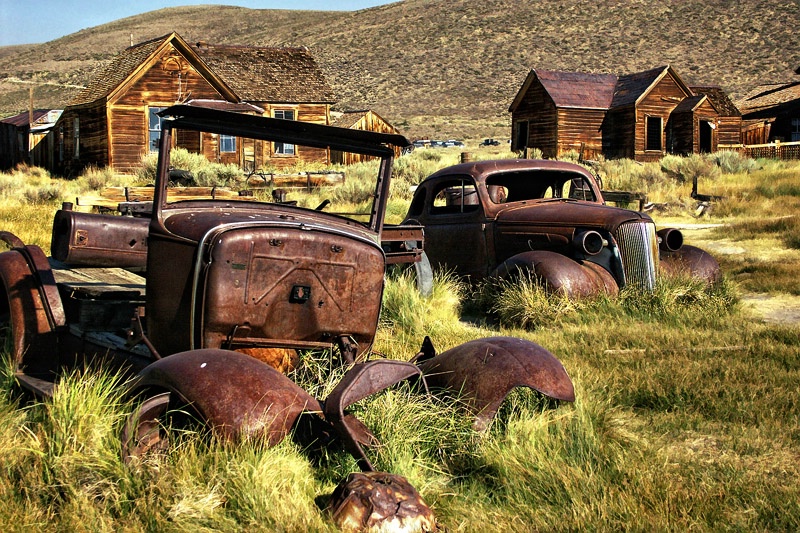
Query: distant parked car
[(490, 142), (453, 142)]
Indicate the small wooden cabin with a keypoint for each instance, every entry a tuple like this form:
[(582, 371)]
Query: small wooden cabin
[(114, 121), (628, 116), (366, 120), (771, 112), (729, 122), (557, 112)]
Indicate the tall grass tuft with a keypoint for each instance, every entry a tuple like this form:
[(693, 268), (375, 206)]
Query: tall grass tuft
[(205, 173), (411, 316), (524, 303)]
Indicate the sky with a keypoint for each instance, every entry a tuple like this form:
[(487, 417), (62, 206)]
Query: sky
[(39, 21)]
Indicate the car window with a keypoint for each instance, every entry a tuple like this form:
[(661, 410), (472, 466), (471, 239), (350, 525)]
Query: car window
[(540, 184), (454, 196)]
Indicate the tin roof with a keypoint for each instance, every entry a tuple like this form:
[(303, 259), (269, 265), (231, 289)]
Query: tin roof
[(577, 89), (24, 119), (348, 119), (632, 86), (690, 103)]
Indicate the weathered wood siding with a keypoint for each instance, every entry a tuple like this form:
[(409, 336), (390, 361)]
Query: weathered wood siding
[(539, 110), (659, 102), (729, 130), (580, 130), (369, 122), (619, 133), (92, 139), (164, 81)]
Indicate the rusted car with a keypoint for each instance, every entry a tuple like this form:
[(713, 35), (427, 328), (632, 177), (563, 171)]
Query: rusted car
[(207, 302), (497, 218)]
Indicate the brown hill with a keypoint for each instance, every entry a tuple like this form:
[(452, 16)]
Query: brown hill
[(447, 69)]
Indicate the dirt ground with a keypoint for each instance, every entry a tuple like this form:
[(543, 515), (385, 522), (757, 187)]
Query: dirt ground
[(771, 308)]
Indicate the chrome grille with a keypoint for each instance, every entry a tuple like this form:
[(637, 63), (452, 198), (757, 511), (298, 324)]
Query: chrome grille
[(638, 248)]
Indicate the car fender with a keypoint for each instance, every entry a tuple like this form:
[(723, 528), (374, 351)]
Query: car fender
[(34, 309), (484, 371), (692, 261), (561, 274), (236, 395)]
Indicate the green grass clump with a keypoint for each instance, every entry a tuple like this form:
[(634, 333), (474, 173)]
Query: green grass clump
[(686, 412)]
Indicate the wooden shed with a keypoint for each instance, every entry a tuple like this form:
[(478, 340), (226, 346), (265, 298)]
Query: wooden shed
[(729, 121), (114, 121), (561, 111), (366, 120), (771, 112), (629, 116)]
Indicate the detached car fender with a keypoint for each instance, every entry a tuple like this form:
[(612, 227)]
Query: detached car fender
[(692, 261), (561, 274), (484, 371), (237, 395)]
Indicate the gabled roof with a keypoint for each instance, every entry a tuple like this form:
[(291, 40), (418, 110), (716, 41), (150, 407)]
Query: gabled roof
[(259, 74), (347, 119), (125, 65), (719, 99), (691, 103), (596, 91), (631, 88), (239, 73), (571, 89)]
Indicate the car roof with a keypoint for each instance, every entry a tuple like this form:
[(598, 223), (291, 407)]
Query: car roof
[(481, 169)]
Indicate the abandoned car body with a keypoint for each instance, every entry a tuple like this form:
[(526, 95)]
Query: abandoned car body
[(207, 302), (547, 217)]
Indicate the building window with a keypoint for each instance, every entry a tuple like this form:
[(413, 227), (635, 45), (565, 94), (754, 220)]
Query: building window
[(795, 133), (284, 148), (154, 128), (227, 143), (76, 137), (654, 130)]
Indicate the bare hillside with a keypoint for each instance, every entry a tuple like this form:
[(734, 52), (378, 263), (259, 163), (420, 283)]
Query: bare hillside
[(448, 69)]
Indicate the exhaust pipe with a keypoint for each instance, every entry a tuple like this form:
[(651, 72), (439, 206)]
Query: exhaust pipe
[(670, 239)]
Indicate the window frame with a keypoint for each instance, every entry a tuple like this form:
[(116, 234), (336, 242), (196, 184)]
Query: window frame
[(152, 127), (649, 133), (227, 144), (279, 148)]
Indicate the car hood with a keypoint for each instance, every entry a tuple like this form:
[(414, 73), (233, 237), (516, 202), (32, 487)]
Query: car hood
[(567, 212)]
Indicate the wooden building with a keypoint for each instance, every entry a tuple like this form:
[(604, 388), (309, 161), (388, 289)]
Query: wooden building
[(366, 120), (24, 139), (640, 116), (114, 121), (771, 112)]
